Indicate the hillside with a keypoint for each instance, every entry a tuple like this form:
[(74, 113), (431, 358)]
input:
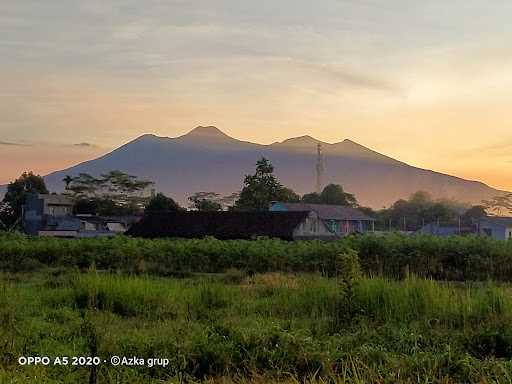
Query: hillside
[(206, 159)]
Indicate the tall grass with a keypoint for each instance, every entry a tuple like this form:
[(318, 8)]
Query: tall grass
[(420, 299), (265, 327)]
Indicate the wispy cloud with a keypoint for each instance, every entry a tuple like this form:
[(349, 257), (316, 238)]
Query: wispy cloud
[(346, 76), (13, 144), (496, 149)]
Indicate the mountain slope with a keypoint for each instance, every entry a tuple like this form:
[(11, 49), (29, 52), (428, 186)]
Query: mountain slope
[(206, 159)]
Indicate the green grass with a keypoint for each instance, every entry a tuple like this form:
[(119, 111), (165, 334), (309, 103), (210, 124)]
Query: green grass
[(392, 256), (263, 328)]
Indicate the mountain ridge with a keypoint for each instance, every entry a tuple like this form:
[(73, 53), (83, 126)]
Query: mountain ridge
[(207, 159)]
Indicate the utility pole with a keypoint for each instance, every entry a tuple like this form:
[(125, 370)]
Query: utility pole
[(319, 168)]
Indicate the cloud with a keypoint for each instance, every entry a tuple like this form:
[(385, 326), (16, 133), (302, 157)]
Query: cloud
[(347, 76), (77, 145), (495, 149), (9, 143)]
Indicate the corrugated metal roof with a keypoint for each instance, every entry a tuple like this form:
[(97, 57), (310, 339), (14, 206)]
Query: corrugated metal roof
[(497, 220), (56, 199), (221, 225), (329, 212)]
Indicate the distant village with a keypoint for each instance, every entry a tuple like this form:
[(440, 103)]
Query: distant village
[(117, 203)]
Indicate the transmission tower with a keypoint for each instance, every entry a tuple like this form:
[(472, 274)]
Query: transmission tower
[(319, 168)]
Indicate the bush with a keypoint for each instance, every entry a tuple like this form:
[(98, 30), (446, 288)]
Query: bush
[(394, 256)]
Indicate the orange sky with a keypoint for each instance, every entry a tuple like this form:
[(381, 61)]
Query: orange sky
[(428, 83)]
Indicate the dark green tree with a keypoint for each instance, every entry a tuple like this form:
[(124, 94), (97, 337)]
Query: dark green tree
[(261, 188), (418, 210), (83, 186), (16, 195), (67, 180), (114, 193), (332, 194), (473, 214), (162, 203), (335, 195), (205, 201), (312, 198)]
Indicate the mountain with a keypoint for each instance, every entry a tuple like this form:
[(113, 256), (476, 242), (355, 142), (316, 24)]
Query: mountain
[(206, 159)]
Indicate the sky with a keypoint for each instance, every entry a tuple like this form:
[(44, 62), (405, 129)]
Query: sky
[(426, 82)]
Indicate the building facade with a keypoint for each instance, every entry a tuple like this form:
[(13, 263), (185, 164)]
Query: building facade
[(499, 228), (52, 215), (338, 220)]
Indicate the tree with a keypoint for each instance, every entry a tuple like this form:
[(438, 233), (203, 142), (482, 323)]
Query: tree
[(162, 203), (205, 201), (499, 205), (113, 193), (229, 200), (332, 194), (418, 210), (262, 188), (84, 186), (368, 211), (311, 198), (16, 195), (67, 180), (335, 195), (473, 214)]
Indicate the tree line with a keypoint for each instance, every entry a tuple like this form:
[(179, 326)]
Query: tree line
[(117, 193)]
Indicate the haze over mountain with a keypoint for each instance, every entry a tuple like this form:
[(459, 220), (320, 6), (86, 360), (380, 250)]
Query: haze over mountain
[(206, 159)]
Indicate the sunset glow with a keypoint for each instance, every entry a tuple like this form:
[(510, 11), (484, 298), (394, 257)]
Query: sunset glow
[(428, 83)]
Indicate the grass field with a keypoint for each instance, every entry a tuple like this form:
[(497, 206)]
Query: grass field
[(264, 327)]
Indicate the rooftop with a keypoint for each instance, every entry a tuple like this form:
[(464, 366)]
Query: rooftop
[(497, 220), (329, 212), (55, 199), (221, 225)]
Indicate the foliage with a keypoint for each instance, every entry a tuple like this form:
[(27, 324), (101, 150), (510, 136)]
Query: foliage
[(421, 209), (474, 214), (262, 188), (113, 193), (15, 197), (162, 203), (393, 256), (332, 194), (205, 201)]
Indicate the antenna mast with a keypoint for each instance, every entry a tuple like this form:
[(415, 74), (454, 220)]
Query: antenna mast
[(319, 168)]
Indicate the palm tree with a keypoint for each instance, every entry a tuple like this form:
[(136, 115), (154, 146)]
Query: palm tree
[(68, 179)]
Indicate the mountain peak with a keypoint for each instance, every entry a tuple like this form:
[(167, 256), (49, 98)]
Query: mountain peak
[(301, 141), (208, 131), (146, 136)]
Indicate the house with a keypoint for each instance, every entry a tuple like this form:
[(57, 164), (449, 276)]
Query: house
[(52, 215), (43, 211), (497, 227), (444, 231), (339, 220), (225, 225)]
